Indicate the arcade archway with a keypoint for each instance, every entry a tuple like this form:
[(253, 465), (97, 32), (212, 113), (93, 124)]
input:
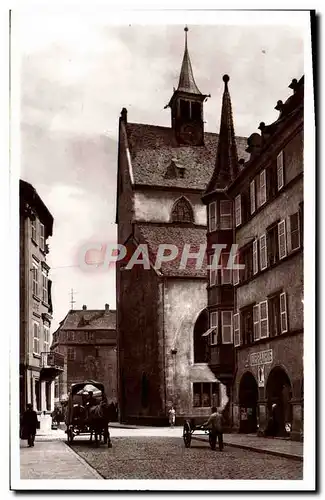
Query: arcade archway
[(201, 347), (279, 394), (248, 396)]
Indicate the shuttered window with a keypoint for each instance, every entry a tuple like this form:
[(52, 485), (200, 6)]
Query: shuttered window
[(263, 252), (295, 231), (238, 219), (236, 330), (253, 196), (35, 279), (282, 239), (34, 231), (283, 313), (262, 190), (225, 214), (36, 332), (264, 320), (280, 173), (42, 237), (226, 323), (214, 323), (256, 321), (236, 271), (212, 216), (255, 257)]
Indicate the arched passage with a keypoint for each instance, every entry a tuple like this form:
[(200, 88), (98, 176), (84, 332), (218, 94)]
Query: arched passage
[(279, 394), (248, 395), (201, 347)]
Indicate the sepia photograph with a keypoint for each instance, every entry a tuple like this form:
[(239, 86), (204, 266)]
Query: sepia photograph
[(162, 170)]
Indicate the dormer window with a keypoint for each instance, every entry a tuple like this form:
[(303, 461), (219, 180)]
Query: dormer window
[(182, 211), (175, 170)]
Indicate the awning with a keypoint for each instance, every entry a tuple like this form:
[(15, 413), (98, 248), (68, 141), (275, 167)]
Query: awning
[(208, 331)]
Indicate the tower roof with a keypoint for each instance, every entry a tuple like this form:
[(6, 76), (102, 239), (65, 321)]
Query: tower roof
[(226, 165), (186, 79)]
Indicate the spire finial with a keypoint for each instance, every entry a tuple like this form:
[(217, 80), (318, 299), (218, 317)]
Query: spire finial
[(226, 80), (186, 30)]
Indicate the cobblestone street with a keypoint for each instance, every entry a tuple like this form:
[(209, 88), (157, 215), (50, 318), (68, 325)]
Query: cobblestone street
[(167, 458)]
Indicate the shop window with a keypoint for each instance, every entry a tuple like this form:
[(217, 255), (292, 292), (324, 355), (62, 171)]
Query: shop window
[(205, 394)]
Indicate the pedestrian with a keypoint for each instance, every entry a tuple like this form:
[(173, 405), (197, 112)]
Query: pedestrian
[(172, 416), (29, 425), (214, 424)]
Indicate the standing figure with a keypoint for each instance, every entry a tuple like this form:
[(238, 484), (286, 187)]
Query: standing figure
[(29, 425), (172, 416), (214, 423)]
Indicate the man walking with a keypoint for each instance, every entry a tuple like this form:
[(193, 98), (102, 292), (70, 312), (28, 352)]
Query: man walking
[(214, 423), (29, 425)]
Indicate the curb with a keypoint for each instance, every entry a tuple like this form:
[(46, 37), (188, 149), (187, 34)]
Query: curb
[(259, 450), (84, 463)]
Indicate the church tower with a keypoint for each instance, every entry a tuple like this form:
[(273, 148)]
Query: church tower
[(186, 106)]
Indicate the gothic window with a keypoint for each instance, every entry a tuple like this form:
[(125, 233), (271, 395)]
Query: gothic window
[(182, 211)]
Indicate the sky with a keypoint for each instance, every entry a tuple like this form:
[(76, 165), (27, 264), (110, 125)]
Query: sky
[(78, 72)]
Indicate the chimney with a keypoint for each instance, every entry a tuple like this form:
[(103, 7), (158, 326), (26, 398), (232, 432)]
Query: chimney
[(84, 308), (106, 307)]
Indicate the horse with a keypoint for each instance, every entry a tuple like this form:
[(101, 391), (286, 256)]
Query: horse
[(99, 417)]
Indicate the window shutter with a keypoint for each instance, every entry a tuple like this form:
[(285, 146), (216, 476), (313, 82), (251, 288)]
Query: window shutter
[(282, 239), (226, 324), (283, 313), (280, 175), (262, 187), (42, 237), (214, 323), (212, 216), (212, 272), (253, 196), (256, 321), (288, 236), (255, 257), (264, 320), (238, 215), (236, 271), (263, 252), (236, 323)]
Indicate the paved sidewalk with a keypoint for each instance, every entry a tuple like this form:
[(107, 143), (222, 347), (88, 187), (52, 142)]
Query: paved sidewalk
[(53, 460), (273, 446)]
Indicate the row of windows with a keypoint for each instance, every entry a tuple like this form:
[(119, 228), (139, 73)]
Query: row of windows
[(281, 238), (40, 282), (38, 233), (265, 319), (77, 336), (37, 340), (258, 321), (263, 186)]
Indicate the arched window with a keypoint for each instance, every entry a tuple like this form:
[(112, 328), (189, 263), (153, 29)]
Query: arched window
[(182, 211)]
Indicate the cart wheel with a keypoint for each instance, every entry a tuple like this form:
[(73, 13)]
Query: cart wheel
[(70, 435), (212, 441), (187, 435)]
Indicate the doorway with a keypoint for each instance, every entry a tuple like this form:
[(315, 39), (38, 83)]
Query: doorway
[(279, 394), (248, 396)]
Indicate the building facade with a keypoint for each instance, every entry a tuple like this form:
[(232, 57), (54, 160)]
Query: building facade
[(87, 341), (263, 303), (37, 366), (161, 310)]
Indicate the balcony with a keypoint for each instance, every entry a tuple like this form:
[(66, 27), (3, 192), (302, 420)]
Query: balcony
[(222, 361), (52, 364)]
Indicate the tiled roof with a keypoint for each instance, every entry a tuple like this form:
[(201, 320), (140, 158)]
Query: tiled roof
[(152, 149), (155, 235), (92, 319)]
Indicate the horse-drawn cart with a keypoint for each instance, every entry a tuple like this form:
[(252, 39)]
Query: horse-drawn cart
[(85, 416), (190, 428)]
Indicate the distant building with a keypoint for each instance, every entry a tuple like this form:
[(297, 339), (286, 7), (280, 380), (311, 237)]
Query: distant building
[(256, 314), (37, 366), (87, 341), (161, 314)]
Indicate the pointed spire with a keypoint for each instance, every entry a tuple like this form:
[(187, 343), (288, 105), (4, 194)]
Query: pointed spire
[(226, 167), (186, 79)]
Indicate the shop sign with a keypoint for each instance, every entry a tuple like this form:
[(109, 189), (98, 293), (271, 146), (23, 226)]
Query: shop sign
[(261, 358)]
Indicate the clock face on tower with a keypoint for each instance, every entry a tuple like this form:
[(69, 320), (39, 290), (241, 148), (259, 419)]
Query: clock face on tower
[(190, 134)]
